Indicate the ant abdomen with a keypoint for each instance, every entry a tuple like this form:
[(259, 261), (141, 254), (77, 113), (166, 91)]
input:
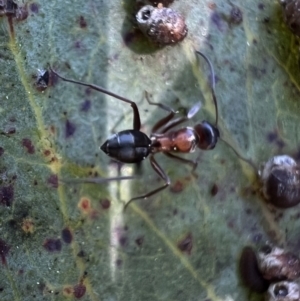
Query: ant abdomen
[(281, 181), (129, 146)]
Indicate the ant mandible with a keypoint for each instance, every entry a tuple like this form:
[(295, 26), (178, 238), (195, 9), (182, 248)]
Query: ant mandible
[(133, 146)]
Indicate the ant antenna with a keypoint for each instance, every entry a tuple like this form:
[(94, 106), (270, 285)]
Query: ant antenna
[(212, 84)]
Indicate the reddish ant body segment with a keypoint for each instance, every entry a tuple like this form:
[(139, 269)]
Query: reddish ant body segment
[(133, 146)]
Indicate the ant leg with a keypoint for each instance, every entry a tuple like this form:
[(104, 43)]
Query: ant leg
[(194, 164), (161, 173), (172, 123), (136, 114), (164, 120)]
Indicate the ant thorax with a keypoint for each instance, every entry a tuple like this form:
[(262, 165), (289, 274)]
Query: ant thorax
[(184, 140)]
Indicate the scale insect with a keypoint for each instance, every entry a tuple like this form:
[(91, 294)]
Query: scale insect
[(133, 146)]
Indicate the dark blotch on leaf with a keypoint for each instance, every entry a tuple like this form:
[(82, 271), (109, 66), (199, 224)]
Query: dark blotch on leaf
[(81, 254), (105, 203), (123, 241), (236, 15), (66, 235), (250, 273), (177, 187), (52, 245), (53, 181), (4, 248), (214, 190), (85, 106), (119, 263), (70, 129), (34, 7), (1, 151), (186, 244), (82, 22), (272, 136), (28, 145), (139, 241), (216, 19), (79, 290), (6, 195)]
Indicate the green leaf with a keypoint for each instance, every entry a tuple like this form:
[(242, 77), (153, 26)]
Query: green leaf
[(60, 240)]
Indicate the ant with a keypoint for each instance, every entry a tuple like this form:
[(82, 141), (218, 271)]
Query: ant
[(133, 146)]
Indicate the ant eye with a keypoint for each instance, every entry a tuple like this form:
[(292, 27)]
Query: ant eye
[(281, 181), (161, 25)]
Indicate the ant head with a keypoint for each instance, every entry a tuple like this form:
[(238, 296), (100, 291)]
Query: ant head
[(208, 135)]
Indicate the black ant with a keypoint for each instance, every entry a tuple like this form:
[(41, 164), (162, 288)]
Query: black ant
[(133, 146)]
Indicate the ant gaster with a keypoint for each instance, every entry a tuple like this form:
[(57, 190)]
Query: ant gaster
[(133, 146)]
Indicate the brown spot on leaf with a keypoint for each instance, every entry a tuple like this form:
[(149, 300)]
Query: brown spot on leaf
[(26, 142), (4, 248), (27, 225), (85, 205), (105, 203), (53, 181), (66, 235), (186, 244), (68, 291), (79, 290), (1, 151), (139, 241), (6, 195), (212, 5), (82, 22), (177, 187), (47, 153), (52, 245), (214, 190)]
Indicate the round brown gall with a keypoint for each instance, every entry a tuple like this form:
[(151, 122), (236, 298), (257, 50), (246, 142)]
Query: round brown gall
[(281, 181), (277, 264), (161, 25)]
